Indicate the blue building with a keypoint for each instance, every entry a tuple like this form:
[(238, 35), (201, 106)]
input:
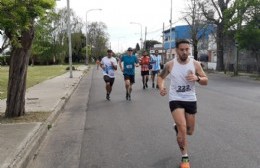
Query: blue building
[(184, 32)]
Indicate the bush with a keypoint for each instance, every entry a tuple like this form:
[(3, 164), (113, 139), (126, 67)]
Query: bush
[(4, 60), (73, 68)]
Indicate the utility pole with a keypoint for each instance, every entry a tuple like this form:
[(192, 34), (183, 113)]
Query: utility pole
[(145, 34), (170, 46), (163, 53), (69, 36)]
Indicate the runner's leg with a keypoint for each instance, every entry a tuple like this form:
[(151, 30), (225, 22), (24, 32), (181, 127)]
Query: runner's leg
[(146, 80), (108, 87), (143, 80), (180, 120), (127, 85), (152, 76), (190, 120)]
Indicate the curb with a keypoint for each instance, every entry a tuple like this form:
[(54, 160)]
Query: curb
[(31, 144)]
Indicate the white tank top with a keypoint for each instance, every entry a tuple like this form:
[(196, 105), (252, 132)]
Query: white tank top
[(180, 88)]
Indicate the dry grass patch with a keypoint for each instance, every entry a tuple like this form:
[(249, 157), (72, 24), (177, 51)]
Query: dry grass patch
[(27, 118)]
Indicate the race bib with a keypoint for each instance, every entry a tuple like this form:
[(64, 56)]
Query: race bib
[(111, 72), (183, 88), (129, 66)]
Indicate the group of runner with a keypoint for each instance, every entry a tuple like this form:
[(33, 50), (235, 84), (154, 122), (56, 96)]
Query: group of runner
[(184, 73), (127, 64), (150, 64)]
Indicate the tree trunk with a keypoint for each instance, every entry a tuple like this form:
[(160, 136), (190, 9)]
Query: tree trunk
[(220, 48), (195, 50), (15, 104)]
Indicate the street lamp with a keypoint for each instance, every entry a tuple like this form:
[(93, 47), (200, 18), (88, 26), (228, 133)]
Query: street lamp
[(141, 39), (87, 33)]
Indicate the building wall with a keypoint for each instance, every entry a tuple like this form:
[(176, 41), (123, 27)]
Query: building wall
[(206, 46)]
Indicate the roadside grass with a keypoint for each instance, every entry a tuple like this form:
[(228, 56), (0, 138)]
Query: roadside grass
[(255, 77), (252, 76), (27, 118), (3, 81), (35, 75)]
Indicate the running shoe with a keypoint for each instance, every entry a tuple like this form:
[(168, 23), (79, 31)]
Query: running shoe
[(107, 97), (129, 96), (185, 162), (185, 165), (126, 96)]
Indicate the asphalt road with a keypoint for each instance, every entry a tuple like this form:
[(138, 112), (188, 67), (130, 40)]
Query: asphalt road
[(139, 134)]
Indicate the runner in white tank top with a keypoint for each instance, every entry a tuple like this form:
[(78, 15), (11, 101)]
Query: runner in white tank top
[(184, 72), (180, 88)]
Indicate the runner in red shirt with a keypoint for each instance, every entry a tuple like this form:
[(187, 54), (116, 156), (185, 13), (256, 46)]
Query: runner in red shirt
[(144, 62)]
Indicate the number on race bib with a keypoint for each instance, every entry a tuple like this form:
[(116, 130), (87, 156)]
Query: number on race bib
[(183, 88)]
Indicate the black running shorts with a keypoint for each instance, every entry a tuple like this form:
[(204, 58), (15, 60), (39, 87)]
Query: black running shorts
[(144, 73), (107, 79), (130, 77), (155, 72), (189, 107)]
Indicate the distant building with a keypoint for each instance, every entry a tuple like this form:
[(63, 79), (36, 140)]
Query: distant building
[(206, 45), (158, 47)]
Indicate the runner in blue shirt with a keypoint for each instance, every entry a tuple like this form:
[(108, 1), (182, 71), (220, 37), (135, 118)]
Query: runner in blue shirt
[(156, 61), (130, 61)]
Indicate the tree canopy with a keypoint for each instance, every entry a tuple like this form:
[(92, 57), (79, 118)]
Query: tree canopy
[(19, 16), (17, 21)]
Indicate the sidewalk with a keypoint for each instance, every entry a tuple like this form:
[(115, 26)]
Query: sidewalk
[(20, 141)]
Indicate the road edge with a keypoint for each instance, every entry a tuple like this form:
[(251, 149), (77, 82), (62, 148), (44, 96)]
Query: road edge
[(33, 141)]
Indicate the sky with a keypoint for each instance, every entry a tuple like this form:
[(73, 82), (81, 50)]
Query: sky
[(117, 15)]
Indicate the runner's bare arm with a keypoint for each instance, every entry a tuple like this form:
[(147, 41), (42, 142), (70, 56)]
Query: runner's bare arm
[(101, 65), (201, 75), (161, 79), (114, 66), (137, 63), (120, 65)]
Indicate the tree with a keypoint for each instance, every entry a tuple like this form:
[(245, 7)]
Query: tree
[(43, 47), (150, 43), (97, 40), (249, 39), (17, 20), (78, 43), (50, 45), (199, 28), (218, 7), (137, 47), (248, 35), (244, 26), (60, 35)]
